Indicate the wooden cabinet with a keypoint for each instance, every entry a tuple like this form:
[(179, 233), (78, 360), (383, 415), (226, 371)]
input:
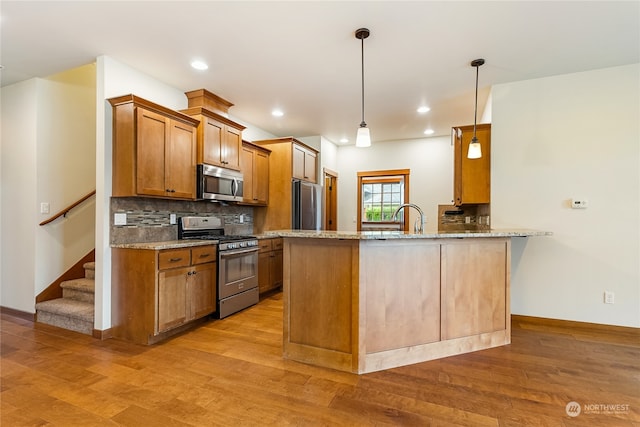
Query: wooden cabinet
[(304, 163), (156, 293), (269, 264), (472, 177), (254, 164), (219, 139), (154, 150), (288, 160)]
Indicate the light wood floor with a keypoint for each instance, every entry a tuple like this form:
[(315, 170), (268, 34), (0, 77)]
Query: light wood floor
[(230, 372)]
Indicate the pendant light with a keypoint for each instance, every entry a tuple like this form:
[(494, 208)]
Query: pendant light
[(363, 139), (475, 150)]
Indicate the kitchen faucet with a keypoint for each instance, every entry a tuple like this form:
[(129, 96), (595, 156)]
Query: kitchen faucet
[(416, 229)]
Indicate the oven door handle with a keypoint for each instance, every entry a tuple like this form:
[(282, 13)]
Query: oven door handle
[(227, 254)]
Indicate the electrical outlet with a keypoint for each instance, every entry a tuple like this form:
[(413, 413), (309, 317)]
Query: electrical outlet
[(609, 297), (172, 219), (120, 219), (44, 208)]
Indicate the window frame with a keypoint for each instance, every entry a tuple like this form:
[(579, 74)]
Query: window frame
[(382, 176)]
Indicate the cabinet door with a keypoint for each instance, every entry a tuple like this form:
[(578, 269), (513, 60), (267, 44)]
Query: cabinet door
[(298, 162), (213, 134), (310, 166), (152, 134), (202, 290), (172, 303), (264, 263), (276, 269), (246, 166), (180, 162), (261, 178), (472, 177), (231, 148)]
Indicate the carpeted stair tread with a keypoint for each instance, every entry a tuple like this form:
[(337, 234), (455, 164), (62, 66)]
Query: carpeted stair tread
[(89, 270), (83, 285), (81, 310)]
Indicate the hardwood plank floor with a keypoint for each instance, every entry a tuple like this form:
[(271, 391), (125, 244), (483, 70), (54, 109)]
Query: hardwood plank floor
[(230, 372)]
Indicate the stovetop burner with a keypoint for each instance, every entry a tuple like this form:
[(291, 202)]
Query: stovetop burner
[(210, 228)]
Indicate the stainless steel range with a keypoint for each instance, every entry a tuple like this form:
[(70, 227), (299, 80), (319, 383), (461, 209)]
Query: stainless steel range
[(237, 262)]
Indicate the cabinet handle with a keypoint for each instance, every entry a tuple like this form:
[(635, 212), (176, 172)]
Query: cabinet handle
[(194, 272), (188, 273), (175, 259), (205, 255)]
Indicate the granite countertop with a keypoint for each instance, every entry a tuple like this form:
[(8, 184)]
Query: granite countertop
[(384, 235), (170, 244)]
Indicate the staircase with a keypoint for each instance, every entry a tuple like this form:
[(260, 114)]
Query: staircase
[(75, 310)]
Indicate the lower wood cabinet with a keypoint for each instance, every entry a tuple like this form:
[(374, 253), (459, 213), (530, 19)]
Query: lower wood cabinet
[(156, 293), (269, 264)]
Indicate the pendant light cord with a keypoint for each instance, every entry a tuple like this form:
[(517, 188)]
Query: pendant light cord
[(475, 113), (362, 124)]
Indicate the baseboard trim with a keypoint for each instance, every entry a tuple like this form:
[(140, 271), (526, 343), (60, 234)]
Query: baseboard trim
[(102, 335), (574, 325), (18, 313)]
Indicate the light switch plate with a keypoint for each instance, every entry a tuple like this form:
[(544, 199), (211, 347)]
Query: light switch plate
[(120, 219), (172, 219)]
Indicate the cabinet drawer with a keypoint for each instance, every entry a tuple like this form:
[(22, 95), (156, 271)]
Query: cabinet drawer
[(276, 244), (174, 258), (264, 245), (201, 255)]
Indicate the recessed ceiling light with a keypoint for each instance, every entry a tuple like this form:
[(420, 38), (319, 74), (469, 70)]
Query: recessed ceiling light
[(277, 113), (429, 132), (344, 140), (423, 109), (199, 65)]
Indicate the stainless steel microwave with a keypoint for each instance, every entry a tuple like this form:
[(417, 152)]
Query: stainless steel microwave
[(216, 183)]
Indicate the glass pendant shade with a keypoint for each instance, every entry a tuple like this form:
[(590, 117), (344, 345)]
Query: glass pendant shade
[(363, 139), (475, 150)]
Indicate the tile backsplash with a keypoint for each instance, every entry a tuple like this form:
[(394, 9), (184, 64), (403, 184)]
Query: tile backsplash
[(149, 220), (468, 217)]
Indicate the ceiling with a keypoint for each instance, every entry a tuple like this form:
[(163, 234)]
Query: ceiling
[(303, 57)]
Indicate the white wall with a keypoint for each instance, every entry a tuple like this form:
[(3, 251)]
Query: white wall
[(65, 170), (48, 146), (18, 195), (575, 135), (431, 180)]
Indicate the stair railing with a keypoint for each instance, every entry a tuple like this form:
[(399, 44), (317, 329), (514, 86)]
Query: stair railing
[(66, 210)]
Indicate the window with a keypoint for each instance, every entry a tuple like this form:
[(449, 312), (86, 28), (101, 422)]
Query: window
[(380, 194)]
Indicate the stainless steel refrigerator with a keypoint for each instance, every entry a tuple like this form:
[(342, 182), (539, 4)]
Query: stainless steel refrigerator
[(307, 206)]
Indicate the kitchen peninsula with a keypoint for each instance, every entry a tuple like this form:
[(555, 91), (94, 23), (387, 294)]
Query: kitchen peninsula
[(367, 301)]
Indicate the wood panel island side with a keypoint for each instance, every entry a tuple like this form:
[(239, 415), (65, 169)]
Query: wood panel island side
[(367, 301)]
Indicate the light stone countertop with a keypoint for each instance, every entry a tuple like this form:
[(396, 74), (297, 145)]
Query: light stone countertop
[(384, 235), (170, 244)]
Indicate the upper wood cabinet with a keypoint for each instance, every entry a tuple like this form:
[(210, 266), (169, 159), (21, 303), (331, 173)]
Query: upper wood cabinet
[(219, 139), (289, 159), (254, 164), (304, 163), (154, 150), (472, 177)]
